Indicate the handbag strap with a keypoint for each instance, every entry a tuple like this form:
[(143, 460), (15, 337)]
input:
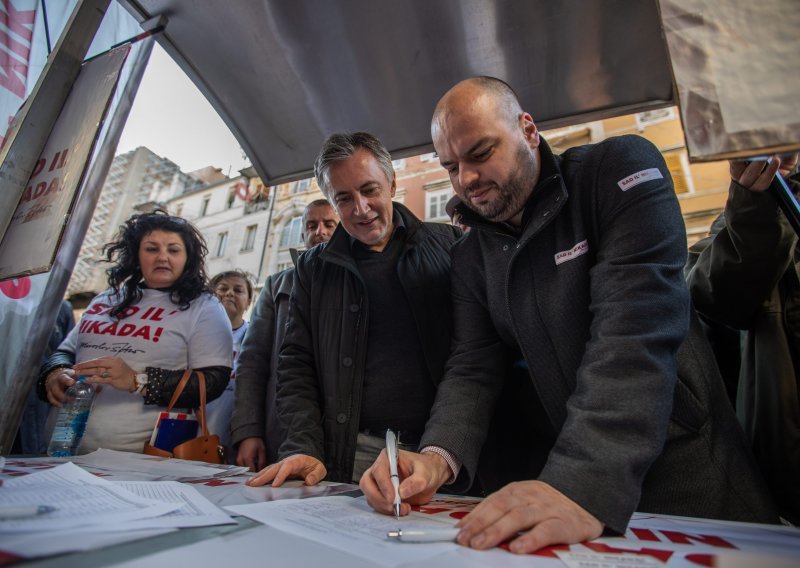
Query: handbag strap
[(200, 411)]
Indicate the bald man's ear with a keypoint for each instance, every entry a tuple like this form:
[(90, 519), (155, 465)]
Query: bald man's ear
[(529, 130)]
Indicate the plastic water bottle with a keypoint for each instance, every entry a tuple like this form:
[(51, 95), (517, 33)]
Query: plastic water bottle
[(71, 419)]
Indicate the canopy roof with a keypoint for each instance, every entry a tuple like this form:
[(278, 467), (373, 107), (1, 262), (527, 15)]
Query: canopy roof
[(285, 74)]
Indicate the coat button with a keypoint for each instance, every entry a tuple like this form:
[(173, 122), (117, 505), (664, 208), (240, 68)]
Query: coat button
[(347, 361), (341, 418), (353, 308), (505, 247)]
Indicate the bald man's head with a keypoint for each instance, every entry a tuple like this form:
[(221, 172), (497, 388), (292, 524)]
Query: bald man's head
[(491, 94), (489, 146)]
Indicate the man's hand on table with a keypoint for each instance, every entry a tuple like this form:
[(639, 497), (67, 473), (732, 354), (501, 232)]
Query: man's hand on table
[(542, 515), (298, 466)]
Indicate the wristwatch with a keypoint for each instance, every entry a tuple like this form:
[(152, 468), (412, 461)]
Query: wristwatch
[(141, 381)]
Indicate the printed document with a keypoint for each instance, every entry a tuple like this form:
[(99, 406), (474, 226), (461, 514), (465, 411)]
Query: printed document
[(350, 525), (80, 499)]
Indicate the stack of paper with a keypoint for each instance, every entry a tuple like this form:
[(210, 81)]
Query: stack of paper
[(95, 511)]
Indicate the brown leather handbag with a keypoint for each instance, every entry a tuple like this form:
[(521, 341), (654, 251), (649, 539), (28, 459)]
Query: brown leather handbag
[(205, 448)]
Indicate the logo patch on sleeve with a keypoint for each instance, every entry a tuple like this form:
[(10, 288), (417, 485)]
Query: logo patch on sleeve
[(576, 251), (639, 177)]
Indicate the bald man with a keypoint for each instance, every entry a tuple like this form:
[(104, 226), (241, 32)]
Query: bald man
[(573, 271)]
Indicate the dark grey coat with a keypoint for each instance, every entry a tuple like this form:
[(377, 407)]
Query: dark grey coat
[(592, 295), (254, 413)]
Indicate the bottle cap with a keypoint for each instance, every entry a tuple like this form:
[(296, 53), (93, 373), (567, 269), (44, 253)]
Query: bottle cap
[(82, 377)]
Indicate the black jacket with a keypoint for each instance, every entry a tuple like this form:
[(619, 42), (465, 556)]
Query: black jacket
[(321, 362), (746, 275), (592, 295)]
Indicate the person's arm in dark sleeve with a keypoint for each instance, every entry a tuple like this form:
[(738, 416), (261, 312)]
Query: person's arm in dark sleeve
[(473, 378), (618, 412), (253, 369), (162, 383), (298, 397), (743, 262), (57, 360)]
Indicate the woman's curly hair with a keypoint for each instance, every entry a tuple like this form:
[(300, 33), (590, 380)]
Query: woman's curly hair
[(125, 275)]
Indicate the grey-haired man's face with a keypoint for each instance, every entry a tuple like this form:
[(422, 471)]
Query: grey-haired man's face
[(362, 195), (319, 223)]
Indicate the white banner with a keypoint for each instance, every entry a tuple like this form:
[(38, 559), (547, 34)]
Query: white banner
[(32, 239)]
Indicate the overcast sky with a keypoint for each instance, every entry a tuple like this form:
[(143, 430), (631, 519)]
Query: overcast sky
[(172, 118)]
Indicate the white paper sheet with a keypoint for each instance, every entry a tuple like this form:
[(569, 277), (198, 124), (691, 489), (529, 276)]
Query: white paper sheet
[(80, 498), (161, 469), (349, 525), (195, 510)]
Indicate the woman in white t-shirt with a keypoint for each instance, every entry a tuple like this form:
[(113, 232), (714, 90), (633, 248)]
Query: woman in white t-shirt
[(235, 290), (136, 339)]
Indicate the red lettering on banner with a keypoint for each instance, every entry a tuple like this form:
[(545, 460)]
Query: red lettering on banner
[(37, 169), (662, 555), (547, 551), (111, 329), (21, 49), (10, 77), (55, 185), (60, 154), (157, 334), (39, 191), (18, 21), (645, 534), (701, 559), (16, 288), (709, 540)]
